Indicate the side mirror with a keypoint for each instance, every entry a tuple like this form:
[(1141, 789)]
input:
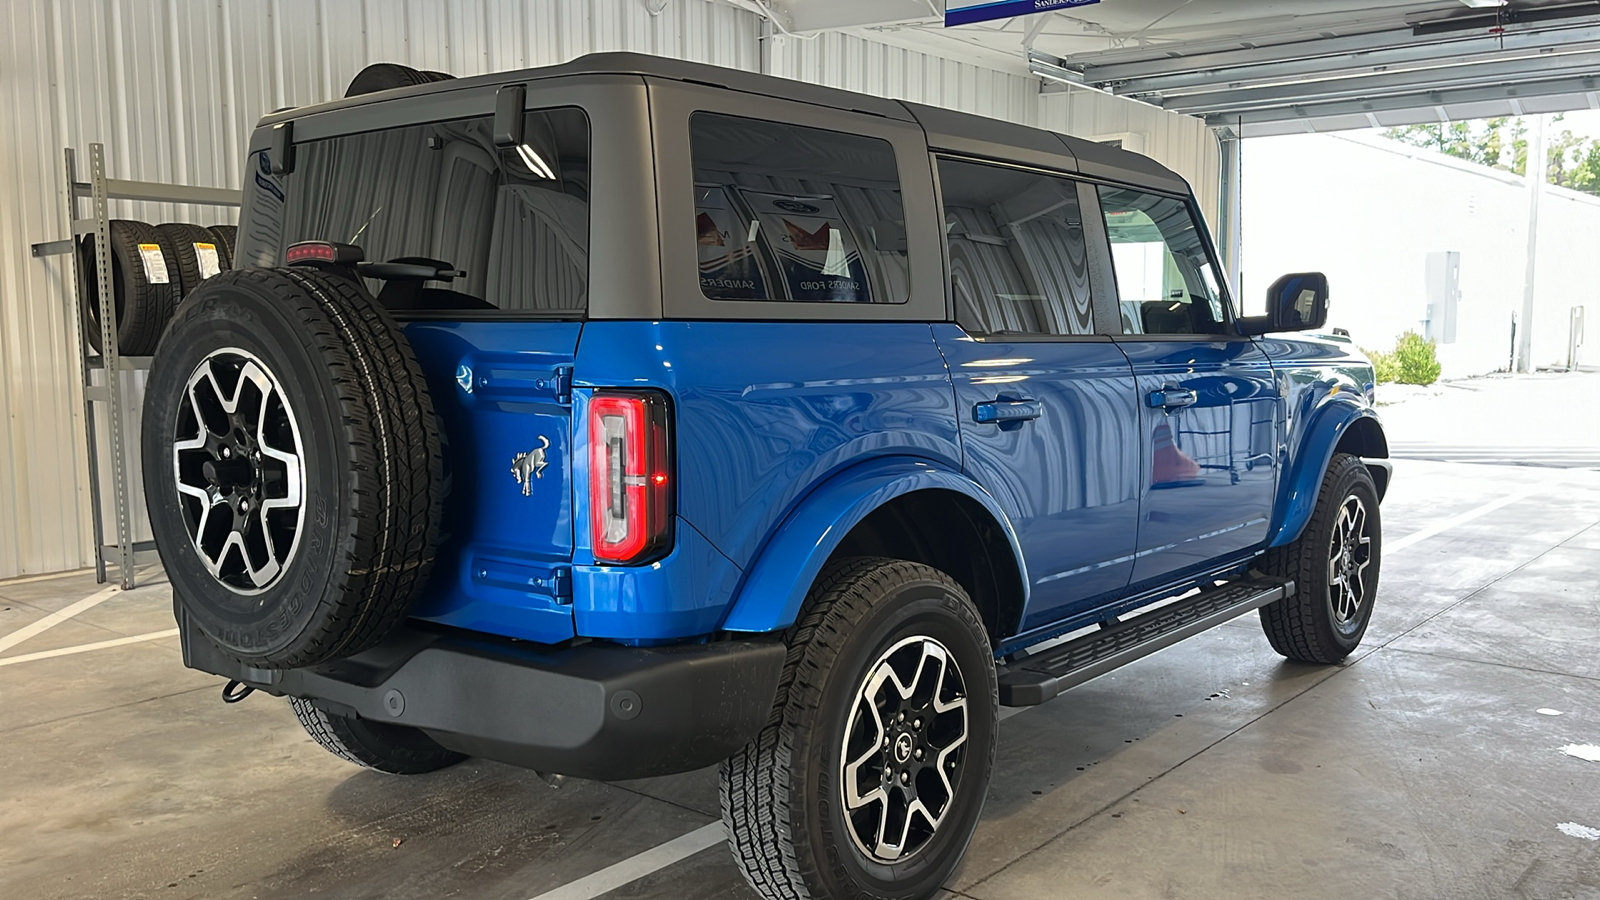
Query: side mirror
[(1296, 302)]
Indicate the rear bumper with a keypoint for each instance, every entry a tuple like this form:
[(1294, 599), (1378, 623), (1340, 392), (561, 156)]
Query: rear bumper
[(598, 711)]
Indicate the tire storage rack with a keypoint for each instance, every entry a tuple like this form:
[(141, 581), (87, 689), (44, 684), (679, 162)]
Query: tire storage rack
[(98, 190)]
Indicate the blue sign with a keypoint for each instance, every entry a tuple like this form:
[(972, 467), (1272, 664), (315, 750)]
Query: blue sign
[(963, 12)]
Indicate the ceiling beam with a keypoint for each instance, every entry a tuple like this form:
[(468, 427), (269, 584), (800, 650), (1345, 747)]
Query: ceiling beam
[(802, 16), (1245, 70), (1490, 74), (1372, 48), (1425, 103)]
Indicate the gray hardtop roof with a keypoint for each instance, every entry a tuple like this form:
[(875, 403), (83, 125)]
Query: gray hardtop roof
[(946, 129)]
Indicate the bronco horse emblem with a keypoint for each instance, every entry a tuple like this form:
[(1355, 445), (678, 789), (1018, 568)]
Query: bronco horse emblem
[(527, 466)]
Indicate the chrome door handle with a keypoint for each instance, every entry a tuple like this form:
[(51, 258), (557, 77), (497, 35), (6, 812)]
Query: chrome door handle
[(1172, 398), (1003, 412)]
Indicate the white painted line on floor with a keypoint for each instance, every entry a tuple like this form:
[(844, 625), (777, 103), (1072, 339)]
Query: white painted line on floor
[(56, 618), (85, 648), (1417, 537), (636, 867)]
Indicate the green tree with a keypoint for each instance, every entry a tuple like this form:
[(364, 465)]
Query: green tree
[(1502, 143)]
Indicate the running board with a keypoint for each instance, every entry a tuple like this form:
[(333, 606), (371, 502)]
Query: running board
[(1043, 675)]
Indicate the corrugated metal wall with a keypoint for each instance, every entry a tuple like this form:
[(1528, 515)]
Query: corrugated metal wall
[(855, 64), (173, 87), (1181, 143)]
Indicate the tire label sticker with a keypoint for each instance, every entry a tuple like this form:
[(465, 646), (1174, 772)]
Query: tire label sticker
[(210, 264), (155, 264)]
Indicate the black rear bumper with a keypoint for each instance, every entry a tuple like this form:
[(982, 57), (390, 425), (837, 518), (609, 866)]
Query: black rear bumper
[(599, 711)]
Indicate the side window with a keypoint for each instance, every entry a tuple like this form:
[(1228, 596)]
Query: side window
[(786, 212), (1165, 279), (515, 220), (1018, 260)]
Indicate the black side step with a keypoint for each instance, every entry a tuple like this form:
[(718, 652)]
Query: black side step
[(1043, 675)]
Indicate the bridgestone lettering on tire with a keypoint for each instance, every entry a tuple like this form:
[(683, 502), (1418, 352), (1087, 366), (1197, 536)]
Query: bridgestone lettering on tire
[(395, 749), (1334, 564), (292, 467), (870, 775)]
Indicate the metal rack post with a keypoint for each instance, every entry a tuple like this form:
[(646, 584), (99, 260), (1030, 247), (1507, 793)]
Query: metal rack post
[(99, 190)]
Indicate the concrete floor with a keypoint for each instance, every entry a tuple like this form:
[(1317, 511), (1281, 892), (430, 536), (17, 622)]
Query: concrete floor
[(1421, 768)]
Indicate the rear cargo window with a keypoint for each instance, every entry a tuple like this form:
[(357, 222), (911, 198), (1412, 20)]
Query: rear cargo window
[(785, 212), (515, 220)]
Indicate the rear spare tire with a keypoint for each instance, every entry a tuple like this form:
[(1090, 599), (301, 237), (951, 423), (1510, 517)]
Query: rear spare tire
[(144, 286), (292, 468), (387, 76)]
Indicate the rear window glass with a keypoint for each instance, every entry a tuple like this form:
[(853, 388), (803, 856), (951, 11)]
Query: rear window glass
[(790, 213), (515, 220)]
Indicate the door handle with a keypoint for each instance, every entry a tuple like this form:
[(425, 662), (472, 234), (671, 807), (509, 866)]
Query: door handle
[(1172, 398), (1005, 412)]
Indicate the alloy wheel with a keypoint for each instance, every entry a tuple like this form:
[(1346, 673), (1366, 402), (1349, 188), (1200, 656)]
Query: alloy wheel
[(903, 749), (240, 469), (1349, 555)]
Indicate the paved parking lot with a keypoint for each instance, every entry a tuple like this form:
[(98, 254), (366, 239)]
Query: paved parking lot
[(1431, 764)]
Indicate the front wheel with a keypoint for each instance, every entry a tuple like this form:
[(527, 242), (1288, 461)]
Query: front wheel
[(1334, 564), (871, 773)]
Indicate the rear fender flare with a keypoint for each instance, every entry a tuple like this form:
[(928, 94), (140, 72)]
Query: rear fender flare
[(775, 586), (1297, 491)]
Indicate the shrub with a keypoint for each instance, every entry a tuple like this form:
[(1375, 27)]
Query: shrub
[(1384, 368), (1416, 360)]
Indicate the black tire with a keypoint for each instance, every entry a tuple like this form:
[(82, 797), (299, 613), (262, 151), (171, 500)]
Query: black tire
[(395, 749), (142, 300), (351, 410), (387, 76), (1320, 624), (783, 800), (183, 238), (226, 237)]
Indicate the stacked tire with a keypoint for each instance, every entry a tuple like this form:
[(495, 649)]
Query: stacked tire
[(152, 268)]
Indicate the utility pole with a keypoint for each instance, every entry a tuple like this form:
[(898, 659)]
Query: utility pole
[(1537, 168)]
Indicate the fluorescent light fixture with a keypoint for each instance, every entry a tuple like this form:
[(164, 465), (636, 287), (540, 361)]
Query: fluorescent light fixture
[(535, 162)]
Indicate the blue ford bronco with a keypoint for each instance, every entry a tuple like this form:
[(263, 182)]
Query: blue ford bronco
[(631, 416)]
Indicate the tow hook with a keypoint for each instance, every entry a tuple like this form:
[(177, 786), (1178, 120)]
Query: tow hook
[(555, 781), (234, 691)]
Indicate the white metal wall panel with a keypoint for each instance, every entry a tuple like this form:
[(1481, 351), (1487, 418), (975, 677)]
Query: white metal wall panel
[(172, 88), (1181, 143), (857, 64)]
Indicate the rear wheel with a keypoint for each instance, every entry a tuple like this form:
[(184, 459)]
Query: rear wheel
[(869, 778), (395, 749), (1334, 564)]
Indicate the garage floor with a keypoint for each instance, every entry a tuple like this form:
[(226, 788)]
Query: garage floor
[(1445, 759)]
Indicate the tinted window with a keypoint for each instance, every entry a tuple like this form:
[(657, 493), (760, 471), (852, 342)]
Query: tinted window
[(1165, 279), (785, 212), (1018, 261), (516, 220)]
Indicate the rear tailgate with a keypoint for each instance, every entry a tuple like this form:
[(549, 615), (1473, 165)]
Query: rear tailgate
[(503, 392)]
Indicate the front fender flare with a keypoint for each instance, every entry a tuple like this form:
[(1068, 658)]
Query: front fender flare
[(1297, 492), (775, 587)]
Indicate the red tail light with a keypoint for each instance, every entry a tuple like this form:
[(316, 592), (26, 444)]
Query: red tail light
[(630, 477)]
